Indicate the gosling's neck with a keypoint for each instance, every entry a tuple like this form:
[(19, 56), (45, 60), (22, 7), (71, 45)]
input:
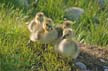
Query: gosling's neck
[(45, 31), (37, 21)]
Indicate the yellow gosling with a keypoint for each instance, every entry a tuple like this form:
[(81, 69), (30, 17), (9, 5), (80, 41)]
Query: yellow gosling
[(36, 23), (39, 18), (59, 28), (48, 33), (67, 47)]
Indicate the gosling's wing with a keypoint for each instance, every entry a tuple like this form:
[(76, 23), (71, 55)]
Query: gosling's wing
[(40, 34), (34, 26), (49, 36), (36, 36), (31, 26), (71, 45), (69, 48), (75, 50)]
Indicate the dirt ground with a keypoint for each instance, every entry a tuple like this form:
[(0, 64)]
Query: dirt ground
[(93, 57)]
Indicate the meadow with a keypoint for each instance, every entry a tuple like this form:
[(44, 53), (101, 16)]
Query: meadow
[(14, 35)]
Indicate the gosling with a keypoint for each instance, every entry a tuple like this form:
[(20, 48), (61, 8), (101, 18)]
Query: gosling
[(59, 28), (65, 24), (47, 34), (67, 47), (36, 23)]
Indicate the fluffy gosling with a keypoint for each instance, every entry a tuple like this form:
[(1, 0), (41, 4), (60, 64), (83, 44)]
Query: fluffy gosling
[(67, 46), (36, 23), (59, 28), (47, 34)]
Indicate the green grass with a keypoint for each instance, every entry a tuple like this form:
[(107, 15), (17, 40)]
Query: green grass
[(14, 54)]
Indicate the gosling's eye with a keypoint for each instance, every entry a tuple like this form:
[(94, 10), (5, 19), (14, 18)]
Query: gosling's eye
[(46, 24)]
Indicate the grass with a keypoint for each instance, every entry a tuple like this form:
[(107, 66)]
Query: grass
[(14, 54)]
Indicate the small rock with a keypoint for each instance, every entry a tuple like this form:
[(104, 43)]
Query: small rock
[(105, 68), (22, 3), (73, 13), (81, 66), (26, 3), (102, 60)]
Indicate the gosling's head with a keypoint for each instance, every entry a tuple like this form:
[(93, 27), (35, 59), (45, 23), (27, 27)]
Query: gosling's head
[(67, 24), (67, 33), (48, 24), (39, 17)]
